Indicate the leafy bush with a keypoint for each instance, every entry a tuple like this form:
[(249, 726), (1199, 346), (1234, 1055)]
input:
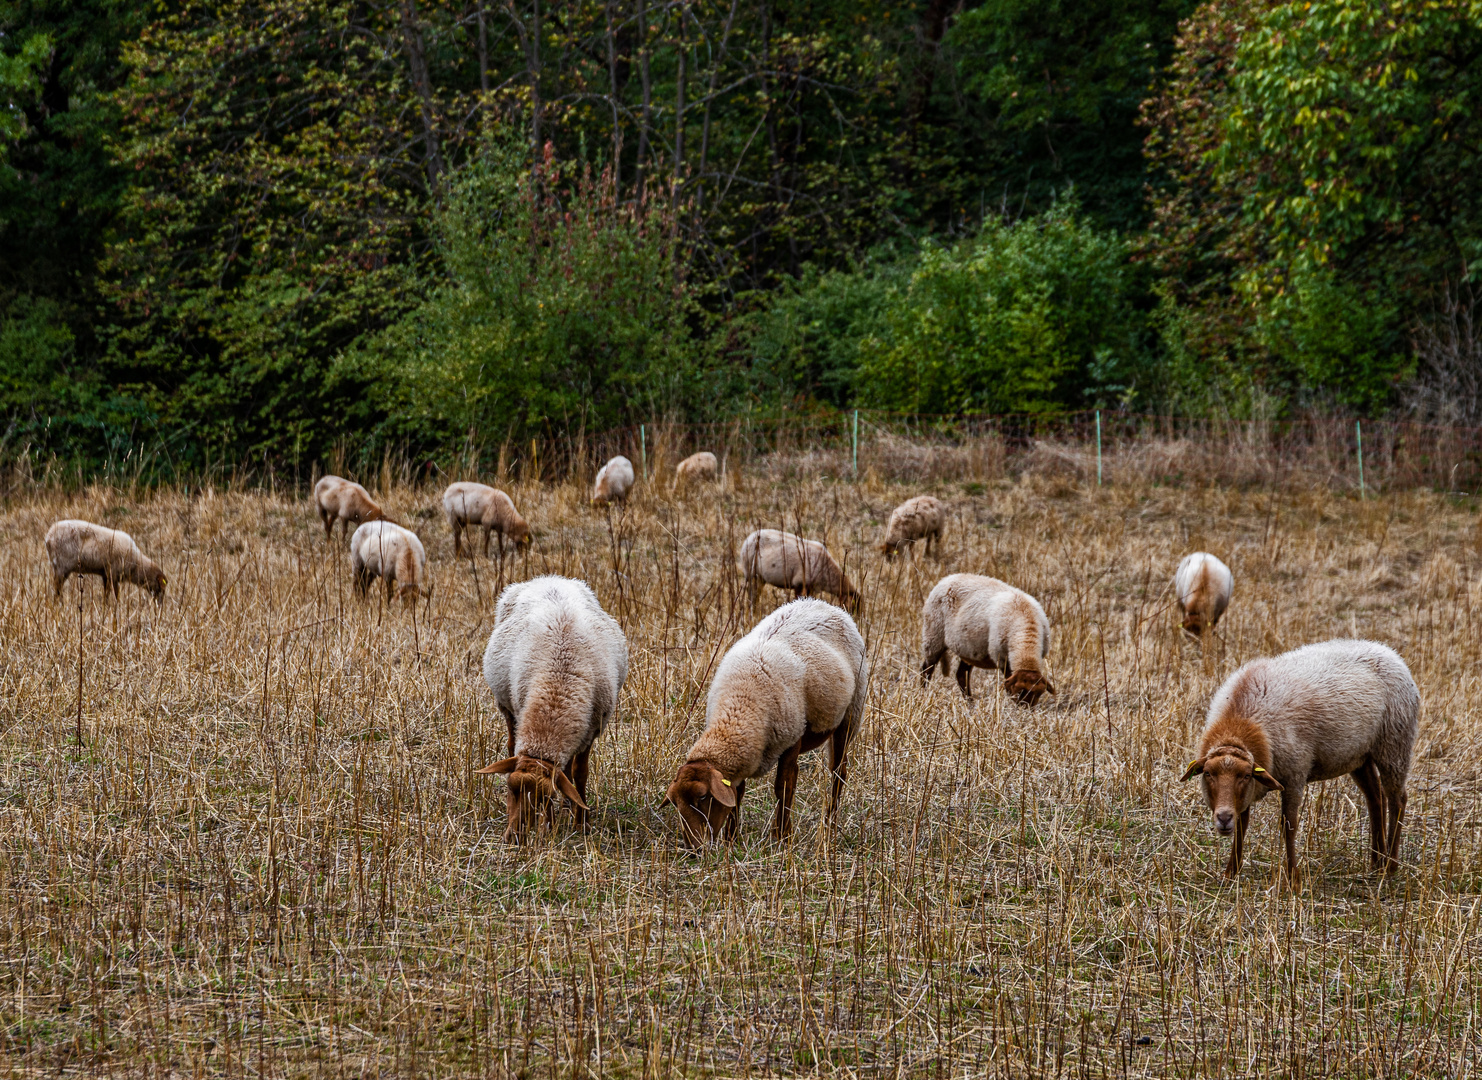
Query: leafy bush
[(561, 310), (1025, 316)]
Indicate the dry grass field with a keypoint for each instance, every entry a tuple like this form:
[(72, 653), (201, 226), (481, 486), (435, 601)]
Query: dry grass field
[(269, 855)]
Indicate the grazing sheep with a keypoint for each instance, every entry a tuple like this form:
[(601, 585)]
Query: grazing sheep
[(555, 663), (614, 481), (786, 561), (80, 547), (1203, 584), (468, 504), (915, 519), (795, 682), (696, 467), (341, 500), (986, 624), (1312, 714), (383, 549)]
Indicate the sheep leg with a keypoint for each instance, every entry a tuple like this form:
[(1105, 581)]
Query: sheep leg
[(839, 765), (965, 678), (1237, 848), (509, 721), (786, 786), (733, 821), (1397, 800), (929, 663), (328, 526), (487, 531), (1368, 781), (390, 580), (1291, 815), (579, 778), (57, 582)]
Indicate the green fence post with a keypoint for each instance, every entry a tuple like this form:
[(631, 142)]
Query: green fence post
[(1358, 432), (1098, 447), (643, 450), (856, 442)]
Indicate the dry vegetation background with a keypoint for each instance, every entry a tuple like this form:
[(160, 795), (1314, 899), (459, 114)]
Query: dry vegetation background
[(270, 855)]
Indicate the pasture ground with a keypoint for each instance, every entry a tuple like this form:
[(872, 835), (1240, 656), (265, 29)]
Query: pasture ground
[(270, 855)]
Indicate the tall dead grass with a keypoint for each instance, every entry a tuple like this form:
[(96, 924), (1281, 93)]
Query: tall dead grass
[(270, 856)]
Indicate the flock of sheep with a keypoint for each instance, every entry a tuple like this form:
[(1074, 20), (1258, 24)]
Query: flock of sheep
[(556, 663)]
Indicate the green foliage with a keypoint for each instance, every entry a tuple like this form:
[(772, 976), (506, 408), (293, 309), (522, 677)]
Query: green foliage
[(563, 310), (19, 83), (1023, 317)]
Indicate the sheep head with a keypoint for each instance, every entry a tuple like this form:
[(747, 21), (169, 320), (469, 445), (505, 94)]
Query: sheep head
[(533, 787), (1232, 781), (519, 532), (1194, 623), (155, 581), (705, 800), (1027, 687)]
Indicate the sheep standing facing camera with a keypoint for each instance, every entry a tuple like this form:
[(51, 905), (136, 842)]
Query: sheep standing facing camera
[(80, 547), (555, 663)]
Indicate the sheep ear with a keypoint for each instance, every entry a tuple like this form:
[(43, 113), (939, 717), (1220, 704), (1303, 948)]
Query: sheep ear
[(1266, 780), (567, 788), (1195, 768), (721, 790), (501, 767)]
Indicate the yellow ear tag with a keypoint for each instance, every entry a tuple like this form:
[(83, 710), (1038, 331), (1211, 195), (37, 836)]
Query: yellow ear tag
[(724, 781), (1193, 763), (1259, 769)]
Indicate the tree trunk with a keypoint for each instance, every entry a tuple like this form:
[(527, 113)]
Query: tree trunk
[(411, 30)]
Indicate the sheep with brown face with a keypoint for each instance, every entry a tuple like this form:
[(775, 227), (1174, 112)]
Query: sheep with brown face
[(915, 519), (986, 624), (385, 550), (785, 561), (795, 682), (1316, 713), (468, 504), (555, 663), (696, 468), (614, 481), (1203, 585), (80, 547), (345, 502)]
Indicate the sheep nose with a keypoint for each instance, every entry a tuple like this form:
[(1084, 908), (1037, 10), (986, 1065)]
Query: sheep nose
[(1225, 822)]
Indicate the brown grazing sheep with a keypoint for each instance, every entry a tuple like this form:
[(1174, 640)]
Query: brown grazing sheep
[(383, 549), (341, 500), (987, 624), (614, 481), (696, 468), (467, 504), (80, 547), (915, 519), (1203, 585), (785, 561)]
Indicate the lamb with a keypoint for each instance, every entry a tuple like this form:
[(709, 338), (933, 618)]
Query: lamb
[(468, 504), (555, 662), (1312, 714), (786, 561), (383, 549), (915, 519), (695, 468), (341, 500), (1203, 585), (80, 547), (986, 624), (614, 481), (796, 681)]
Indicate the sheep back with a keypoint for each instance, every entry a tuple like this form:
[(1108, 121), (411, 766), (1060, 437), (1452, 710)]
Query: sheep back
[(1203, 585), (555, 662), (614, 480), (696, 467)]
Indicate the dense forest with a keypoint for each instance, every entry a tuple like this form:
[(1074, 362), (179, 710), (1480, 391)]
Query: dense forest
[(258, 229)]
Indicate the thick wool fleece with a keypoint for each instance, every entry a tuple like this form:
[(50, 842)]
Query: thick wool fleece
[(466, 503), (801, 669), (1324, 710), (386, 550), (701, 466), (1203, 585), (555, 663), (80, 547), (789, 562), (338, 499), (614, 480), (913, 519), (985, 622)]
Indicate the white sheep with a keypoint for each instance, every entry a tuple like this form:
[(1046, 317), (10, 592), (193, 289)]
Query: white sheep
[(695, 468), (343, 501), (614, 481), (467, 504), (786, 561), (80, 547), (796, 681), (915, 519), (1203, 585), (555, 662), (383, 549), (986, 624), (1338, 708)]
